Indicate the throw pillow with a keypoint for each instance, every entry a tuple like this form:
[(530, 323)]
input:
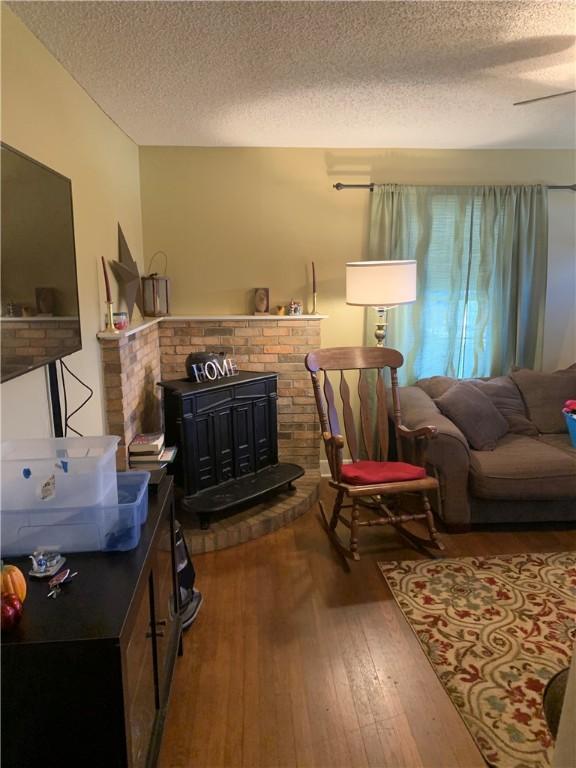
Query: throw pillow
[(474, 414), (544, 395), (506, 396), (435, 386)]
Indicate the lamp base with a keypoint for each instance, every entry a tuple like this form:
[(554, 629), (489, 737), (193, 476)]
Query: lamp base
[(381, 326)]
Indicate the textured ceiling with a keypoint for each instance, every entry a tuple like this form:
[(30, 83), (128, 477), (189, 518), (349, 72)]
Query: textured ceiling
[(321, 74)]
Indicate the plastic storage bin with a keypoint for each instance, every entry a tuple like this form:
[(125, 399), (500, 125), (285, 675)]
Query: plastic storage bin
[(122, 532), (59, 472), (114, 528), (132, 487)]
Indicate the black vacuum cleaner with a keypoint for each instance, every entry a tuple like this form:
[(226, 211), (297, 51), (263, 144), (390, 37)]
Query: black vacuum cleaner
[(190, 598)]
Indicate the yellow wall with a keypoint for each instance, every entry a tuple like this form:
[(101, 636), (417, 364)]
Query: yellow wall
[(46, 115), (230, 219), (234, 219)]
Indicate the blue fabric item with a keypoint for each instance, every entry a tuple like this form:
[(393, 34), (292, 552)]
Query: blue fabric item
[(571, 424)]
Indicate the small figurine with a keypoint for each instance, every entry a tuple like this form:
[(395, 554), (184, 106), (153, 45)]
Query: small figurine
[(56, 583), (45, 563), (295, 308)]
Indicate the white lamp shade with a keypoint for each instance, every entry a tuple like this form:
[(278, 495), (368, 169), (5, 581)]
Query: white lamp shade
[(380, 283)]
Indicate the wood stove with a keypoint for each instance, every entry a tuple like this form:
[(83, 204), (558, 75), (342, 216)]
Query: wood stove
[(226, 434)]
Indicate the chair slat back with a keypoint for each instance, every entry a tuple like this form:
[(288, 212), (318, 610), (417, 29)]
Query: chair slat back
[(333, 423), (366, 422), (369, 364), (349, 424), (382, 415)]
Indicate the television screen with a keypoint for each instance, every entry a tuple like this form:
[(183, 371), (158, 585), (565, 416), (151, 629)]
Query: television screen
[(40, 320)]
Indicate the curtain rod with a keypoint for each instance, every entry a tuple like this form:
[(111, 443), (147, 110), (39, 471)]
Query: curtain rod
[(340, 186)]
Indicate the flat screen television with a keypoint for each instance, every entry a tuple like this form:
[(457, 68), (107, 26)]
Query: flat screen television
[(40, 316)]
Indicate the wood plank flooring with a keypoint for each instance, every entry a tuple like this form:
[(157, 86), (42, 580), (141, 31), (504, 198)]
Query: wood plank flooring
[(296, 662)]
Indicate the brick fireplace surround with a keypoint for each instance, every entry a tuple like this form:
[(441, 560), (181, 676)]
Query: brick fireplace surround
[(135, 360)]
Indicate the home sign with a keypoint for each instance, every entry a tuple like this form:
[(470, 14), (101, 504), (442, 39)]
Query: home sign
[(211, 370)]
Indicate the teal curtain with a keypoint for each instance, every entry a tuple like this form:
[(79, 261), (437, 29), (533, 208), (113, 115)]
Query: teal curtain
[(482, 266)]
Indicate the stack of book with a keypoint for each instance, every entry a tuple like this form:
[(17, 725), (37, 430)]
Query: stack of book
[(147, 451)]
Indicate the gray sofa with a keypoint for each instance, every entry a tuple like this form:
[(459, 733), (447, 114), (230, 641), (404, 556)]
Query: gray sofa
[(506, 461)]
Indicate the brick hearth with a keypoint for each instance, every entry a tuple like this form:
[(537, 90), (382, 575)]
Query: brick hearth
[(134, 360)]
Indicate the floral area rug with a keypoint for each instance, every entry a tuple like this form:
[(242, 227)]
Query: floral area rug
[(495, 629)]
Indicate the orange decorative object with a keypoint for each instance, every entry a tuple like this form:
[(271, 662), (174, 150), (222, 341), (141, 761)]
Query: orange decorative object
[(13, 581)]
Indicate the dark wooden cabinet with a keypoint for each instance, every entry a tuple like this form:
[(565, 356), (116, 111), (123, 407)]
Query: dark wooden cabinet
[(139, 683), (226, 433), (86, 677)]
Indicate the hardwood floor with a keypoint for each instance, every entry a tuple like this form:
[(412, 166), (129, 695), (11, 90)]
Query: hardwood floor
[(295, 661)]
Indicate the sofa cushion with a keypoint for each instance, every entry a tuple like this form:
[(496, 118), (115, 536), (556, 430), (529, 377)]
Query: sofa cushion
[(544, 395), (474, 414), (562, 442), (506, 396), (523, 467)]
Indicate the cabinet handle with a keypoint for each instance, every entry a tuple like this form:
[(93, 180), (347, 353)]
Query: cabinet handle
[(154, 634), (162, 623)]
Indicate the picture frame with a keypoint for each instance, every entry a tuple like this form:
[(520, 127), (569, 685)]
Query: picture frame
[(261, 301)]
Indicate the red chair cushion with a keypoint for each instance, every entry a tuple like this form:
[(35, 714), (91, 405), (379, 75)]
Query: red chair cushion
[(374, 472)]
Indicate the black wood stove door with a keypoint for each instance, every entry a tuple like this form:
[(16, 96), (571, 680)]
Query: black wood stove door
[(244, 439), (224, 445), (200, 462)]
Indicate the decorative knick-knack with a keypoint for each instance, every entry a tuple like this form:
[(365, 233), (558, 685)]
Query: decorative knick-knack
[(261, 301), (109, 305), (314, 291)]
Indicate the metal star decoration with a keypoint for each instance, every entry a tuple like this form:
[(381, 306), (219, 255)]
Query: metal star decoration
[(126, 273)]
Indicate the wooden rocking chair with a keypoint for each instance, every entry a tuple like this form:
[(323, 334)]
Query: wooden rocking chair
[(377, 484)]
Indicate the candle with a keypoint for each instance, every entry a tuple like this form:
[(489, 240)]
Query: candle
[(313, 278), (108, 294)]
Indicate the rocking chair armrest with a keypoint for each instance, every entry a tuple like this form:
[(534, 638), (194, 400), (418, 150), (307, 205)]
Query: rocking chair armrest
[(336, 440), (429, 432), (334, 445), (419, 438)]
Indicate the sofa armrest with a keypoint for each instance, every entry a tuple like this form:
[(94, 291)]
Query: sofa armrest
[(448, 454)]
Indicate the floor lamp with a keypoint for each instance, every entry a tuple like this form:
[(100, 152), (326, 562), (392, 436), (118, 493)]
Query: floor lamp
[(382, 285)]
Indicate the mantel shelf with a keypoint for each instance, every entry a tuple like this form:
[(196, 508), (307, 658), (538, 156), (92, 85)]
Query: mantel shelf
[(147, 322)]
